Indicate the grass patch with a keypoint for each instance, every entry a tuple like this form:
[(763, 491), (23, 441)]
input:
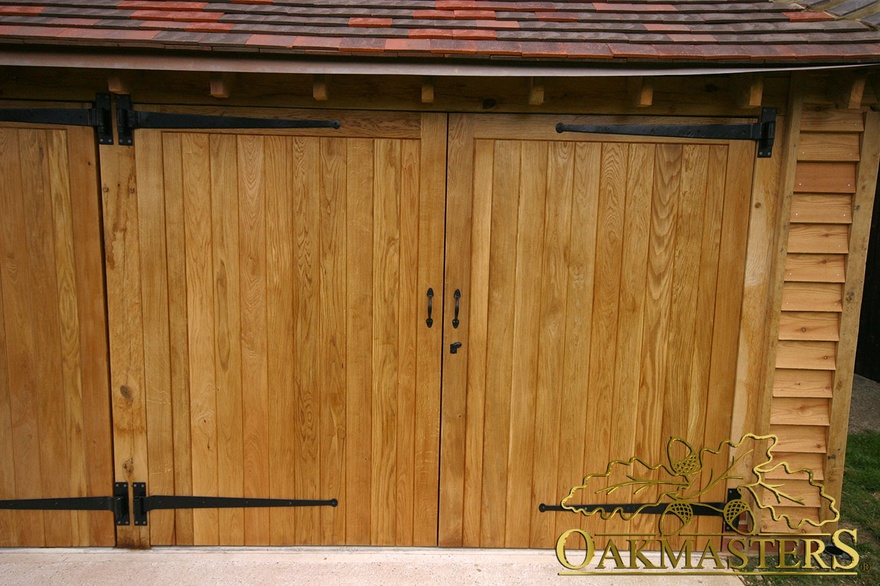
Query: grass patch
[(859, 509)]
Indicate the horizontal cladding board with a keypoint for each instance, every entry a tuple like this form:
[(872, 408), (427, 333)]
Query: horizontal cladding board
[(825, 178), (768, 525), (815, 268), (827, 146), (821, 118), (808, 355), (809, 326), (810, 439), (795, 461), (819, 238), (798, 411), (802, 383), (812, 297), (821, 209)]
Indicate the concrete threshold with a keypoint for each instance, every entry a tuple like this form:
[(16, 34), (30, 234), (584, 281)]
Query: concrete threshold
[(174, 566)]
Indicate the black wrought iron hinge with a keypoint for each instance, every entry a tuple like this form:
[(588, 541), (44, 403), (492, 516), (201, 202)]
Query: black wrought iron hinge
[(117, 504), (144, 504), (128, 120), (763, 131), (98, 117)]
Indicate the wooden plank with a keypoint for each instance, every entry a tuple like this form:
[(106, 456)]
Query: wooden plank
[(410, 310), (818, 238), (532, 195), (453, 440), (806, 355), (154, 304), (800, 411), (809, 326), (8, 528), (800, 438), (477, 364), (795, 461), (769, 526), (631, 313), (825, 178), (20, 344), (823, 118), (809, 208), (303, 405), (815, 268), (359, 347), (863, 206), (175, 237), (200, 334), (551, 337), (68, 332), (90, 296), (227, 332), (282, 157), (386, 324), (827, 147), (125, 321), (432, 169), (683, 412), (812, 297), (253, 274), (802, 383), (710, 248), (573, 443), (507, 161), (332, 318)]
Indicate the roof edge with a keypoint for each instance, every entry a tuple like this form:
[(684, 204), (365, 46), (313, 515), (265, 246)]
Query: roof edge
[(242, 64)]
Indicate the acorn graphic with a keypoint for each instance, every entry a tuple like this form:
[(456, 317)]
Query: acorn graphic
[(732, 511), (690, 464), (674, 518)]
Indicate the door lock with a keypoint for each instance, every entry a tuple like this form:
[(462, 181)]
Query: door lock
[(453, 348)]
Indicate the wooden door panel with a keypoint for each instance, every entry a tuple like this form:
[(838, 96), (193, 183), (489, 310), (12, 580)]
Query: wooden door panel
[(283, 279), (54, 397), (601, 284)]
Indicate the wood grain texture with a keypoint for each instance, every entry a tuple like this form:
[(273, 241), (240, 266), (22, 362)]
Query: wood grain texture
[(589, 262), (812, 297), (825, 178), (53, 445), (809, 208), (279, 274), (809, 326), (828, 147), (800, 438), (802, 383), (815, 268), (807, 355), (823, 118), (800, 411), (818, 238)]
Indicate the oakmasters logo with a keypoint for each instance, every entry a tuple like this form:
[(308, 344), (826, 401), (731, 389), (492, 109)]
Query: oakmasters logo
[(773, 516)]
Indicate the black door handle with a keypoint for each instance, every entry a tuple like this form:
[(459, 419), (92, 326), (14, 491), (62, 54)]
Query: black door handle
[(453, 348), (430, 320), (455, 320)]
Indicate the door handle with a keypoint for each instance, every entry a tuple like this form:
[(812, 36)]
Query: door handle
[(453, 348), (430, 320), (455, 320)]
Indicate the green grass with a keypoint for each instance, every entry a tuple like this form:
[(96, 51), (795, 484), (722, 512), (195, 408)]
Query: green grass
[(859, 509)]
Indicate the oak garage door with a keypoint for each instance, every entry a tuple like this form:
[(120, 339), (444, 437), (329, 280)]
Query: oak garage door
[(268, 327), (280, 305), (54, 395), (601, 287)]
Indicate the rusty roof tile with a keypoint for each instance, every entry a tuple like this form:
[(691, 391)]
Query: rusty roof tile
[(369, 22), (808, 16), (476, 34), (192, 16), (139, 5), (408, 45)]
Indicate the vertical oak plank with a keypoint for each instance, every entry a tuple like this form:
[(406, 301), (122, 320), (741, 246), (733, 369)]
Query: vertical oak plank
[(175, 247), (356, 502), (254, 328), (529, 240), (201, 322), (227, 332), (502, 289), (550, 341), (90, 296), (332, 319), (154, 303), (281, 156), (125, 320), (386, 348)]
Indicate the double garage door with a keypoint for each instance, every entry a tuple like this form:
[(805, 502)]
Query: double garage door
[(436, 322)]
